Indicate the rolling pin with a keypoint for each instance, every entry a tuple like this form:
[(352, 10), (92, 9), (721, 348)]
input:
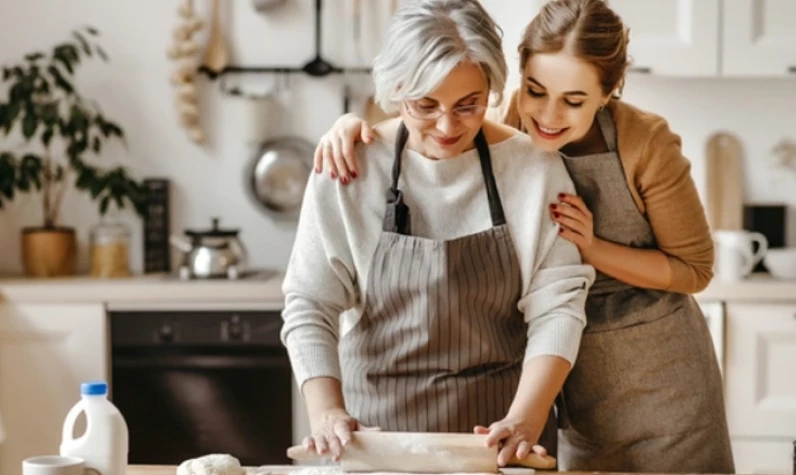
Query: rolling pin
[(380, 451)]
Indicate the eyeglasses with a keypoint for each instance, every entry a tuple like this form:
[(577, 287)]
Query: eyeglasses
[(421, 112)]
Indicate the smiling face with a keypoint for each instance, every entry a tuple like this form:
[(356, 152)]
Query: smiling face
[(462, 98), (559, 98)]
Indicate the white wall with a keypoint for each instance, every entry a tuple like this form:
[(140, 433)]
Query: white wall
[(134, 89)]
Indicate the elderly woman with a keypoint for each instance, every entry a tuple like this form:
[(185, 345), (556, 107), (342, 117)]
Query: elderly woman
[(437, 308)]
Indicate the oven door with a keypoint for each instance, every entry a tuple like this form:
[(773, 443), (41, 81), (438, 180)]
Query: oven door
[(186, 400)]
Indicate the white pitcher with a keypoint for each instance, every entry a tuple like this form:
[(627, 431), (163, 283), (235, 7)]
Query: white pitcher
[(735, 255)]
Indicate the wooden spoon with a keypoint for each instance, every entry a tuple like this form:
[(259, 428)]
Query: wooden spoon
[(216, 57)]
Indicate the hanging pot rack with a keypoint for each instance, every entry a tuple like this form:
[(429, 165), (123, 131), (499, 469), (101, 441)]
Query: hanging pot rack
[(316, 67)]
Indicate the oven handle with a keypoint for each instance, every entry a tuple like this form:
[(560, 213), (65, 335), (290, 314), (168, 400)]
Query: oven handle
[(201, 361)]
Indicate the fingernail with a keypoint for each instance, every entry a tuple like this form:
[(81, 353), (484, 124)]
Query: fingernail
[(561, 196), (560, 230), (317, 170), (333, 175), (556, 214), (552, 206), (353, 174), (344, 180)]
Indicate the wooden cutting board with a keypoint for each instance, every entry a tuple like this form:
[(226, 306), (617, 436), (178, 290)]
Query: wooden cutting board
[(724, 168), (381, 451)]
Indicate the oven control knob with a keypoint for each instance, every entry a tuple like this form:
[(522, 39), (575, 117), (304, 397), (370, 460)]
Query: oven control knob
[(166, 333), (235, 329)]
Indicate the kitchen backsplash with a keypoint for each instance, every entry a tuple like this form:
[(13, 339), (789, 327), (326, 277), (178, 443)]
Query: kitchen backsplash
[(208, 181)]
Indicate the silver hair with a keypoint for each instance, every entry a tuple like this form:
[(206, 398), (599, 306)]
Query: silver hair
[(427, 39)]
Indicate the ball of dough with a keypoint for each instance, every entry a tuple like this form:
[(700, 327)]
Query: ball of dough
[(213, 464)]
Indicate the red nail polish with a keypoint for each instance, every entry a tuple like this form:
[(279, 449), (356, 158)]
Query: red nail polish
[(353, 174), (556, 214), (561, 196), (560, 230), (344, 180), (552, 206), (333, 175)]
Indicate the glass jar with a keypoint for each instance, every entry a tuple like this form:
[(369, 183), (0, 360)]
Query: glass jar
[(110, 249)]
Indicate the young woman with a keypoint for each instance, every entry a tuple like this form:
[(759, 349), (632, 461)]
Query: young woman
[(459, 314), (646, 393)]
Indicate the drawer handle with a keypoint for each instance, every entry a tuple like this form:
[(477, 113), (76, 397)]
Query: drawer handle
[(792, 69), (647, 70)]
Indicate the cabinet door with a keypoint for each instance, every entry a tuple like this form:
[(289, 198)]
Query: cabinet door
[(759, 371), (759, 38), (672, 37), (753, 456), (46, 351)]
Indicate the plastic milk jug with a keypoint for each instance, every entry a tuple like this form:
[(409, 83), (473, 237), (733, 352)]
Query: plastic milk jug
[(104, 445)]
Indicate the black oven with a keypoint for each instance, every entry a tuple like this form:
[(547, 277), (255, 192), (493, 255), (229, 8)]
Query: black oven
[(191, 383)]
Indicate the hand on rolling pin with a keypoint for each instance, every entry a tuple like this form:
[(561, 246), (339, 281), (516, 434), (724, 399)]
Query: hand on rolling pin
[(516, 437), (331, 431)]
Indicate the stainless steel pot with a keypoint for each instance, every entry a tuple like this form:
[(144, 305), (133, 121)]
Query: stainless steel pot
[(211, 253), (277, 177)]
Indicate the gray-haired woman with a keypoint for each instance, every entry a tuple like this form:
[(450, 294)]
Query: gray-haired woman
[(438, 309)]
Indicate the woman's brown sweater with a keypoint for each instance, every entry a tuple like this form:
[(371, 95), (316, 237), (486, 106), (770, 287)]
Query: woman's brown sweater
[(659, 178)]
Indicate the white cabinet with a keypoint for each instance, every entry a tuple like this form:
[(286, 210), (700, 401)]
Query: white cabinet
[(759, 37), (760, 384), (46, 351), (672, 37)]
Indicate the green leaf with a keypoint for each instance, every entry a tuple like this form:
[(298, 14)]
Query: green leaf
[(102, 54), (47, 136), (92, 30), (63, 56), (86, 46), (60, 80), (104, 204), (29, 123), (6, 73), (97, 145), (33, 57), (11, 116)]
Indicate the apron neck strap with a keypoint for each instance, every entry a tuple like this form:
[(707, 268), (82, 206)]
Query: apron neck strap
[(397, 217), (607, 128), (492, 194)]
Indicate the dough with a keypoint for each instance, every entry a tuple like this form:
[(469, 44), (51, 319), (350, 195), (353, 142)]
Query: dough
[(213, 464)]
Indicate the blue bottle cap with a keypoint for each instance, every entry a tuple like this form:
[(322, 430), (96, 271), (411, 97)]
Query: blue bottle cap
[(94, 388)]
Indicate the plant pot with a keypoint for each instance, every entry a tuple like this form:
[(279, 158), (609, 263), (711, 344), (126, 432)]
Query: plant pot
[(49, 252)]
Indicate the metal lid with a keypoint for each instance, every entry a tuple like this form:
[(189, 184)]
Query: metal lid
[(213, 232)]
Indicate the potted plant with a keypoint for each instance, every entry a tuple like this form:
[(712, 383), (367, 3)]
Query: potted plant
[(51, 130)]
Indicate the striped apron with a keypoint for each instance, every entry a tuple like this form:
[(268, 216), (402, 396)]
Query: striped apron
[(440, 344), (645, 394)]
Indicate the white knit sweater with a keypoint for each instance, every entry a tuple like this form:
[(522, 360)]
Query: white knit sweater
[(340, 225)]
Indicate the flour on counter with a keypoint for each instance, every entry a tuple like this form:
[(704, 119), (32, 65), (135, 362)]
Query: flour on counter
[(338, 471)]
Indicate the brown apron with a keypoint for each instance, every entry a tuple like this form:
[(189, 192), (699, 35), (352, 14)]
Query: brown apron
[(645, 394), (440, 344)]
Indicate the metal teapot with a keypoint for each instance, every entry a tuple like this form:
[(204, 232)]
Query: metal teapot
[(211, 253)]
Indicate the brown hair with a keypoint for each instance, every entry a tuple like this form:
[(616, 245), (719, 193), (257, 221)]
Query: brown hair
[(588, 29)]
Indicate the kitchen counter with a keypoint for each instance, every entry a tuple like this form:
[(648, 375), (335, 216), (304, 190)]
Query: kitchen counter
[(261, 288), (755, 288), (264, 288), (276, 470)]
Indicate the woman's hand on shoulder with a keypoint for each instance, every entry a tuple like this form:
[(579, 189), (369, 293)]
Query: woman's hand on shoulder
[(335, 150)]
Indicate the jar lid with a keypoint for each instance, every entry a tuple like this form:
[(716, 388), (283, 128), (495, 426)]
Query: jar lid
[(215, 231)]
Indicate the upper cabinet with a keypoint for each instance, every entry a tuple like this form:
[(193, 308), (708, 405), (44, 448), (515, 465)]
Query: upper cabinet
[(711, 37), (672, 37), (759, 38)]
